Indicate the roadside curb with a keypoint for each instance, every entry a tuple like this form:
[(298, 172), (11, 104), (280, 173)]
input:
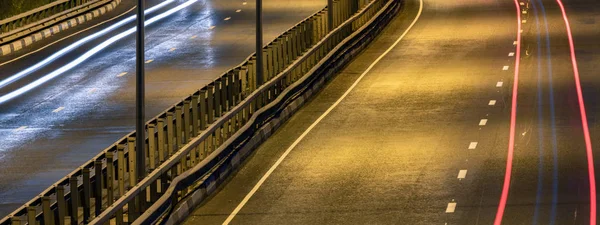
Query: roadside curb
[(48, 32)]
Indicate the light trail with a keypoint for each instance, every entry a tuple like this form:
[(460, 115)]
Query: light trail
[(513, 118), (584, 123), (88, 54), (71, 47)]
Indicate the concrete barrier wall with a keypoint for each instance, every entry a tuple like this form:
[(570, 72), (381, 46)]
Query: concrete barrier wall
[(54, 28)]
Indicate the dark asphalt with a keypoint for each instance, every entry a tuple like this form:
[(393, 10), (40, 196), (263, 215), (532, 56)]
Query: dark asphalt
[(99, 106), (392, 150)]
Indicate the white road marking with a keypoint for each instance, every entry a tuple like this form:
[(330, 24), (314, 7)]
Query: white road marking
[(312, 126), (524, 12), (58, 109), (172, 49), (492, 102), (515, 43), (473, 145), (239, 10), (499, 84), (451, 207), (524, 21), (521, 31), (21, 128), (228, 18), (211, 27), (195, 36), (462, 174), (482, 122), (122, 74), (522, 3), (505, 68), (149, 61), (244, 3), (511, 54), (92, 90)]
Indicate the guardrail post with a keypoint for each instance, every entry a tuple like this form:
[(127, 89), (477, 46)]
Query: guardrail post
[(203, 109), (98, 186), (217, 100), (60, 200), (170, 134), (178, 136), (74, 200), (134, 206), (31, 215), (195, 115), (121, 169), (187, 121), (132, 161), (48, 214), (86, 195), (211, 102), (152, 157), (224, 95), (110, 180), (119, 214), (15, 220)]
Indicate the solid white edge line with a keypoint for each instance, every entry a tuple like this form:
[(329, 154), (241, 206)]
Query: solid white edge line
[(289, 149)]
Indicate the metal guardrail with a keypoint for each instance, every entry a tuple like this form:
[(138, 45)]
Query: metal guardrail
[(202, 153), (36, 19), (190, 131)]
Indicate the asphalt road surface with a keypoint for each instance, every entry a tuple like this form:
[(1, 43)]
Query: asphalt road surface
[(423, 138), (48, 131)]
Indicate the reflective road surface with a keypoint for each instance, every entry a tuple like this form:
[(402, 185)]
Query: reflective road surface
[(474, 117), (50, 129)]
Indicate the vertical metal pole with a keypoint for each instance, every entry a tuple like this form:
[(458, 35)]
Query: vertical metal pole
[(330, 15), (140, 91), (259, 44)]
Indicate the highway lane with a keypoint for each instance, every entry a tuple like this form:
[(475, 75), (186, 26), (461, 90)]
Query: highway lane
[(429, 127), (550, 183), (421, 139), (47, 132)]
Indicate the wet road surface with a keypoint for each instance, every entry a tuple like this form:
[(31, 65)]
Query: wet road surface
[(424, 136), (48, 131)]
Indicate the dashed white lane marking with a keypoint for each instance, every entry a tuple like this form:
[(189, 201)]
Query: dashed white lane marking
[(522, 3), (149, 61), (473, 145), (239, 10), (122, 74), (511, 54), (524, 21), (499, 84), (482, 122), (492, 102), (314, 124), (462, 174), (92, 90), (505, 68), (172, 49), (451, 207), (195, 36), (515, 43), (244, 3), (21, 128), (228, 18), (524, 12), (211, 27), (58, 109)]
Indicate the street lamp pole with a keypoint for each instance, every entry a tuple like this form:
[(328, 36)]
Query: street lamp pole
[(330, 14), (259, 44), (140, 139)]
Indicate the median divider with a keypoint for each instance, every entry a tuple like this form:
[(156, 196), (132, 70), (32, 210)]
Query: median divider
[(249, 123), (106, 189), (37, 24)]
